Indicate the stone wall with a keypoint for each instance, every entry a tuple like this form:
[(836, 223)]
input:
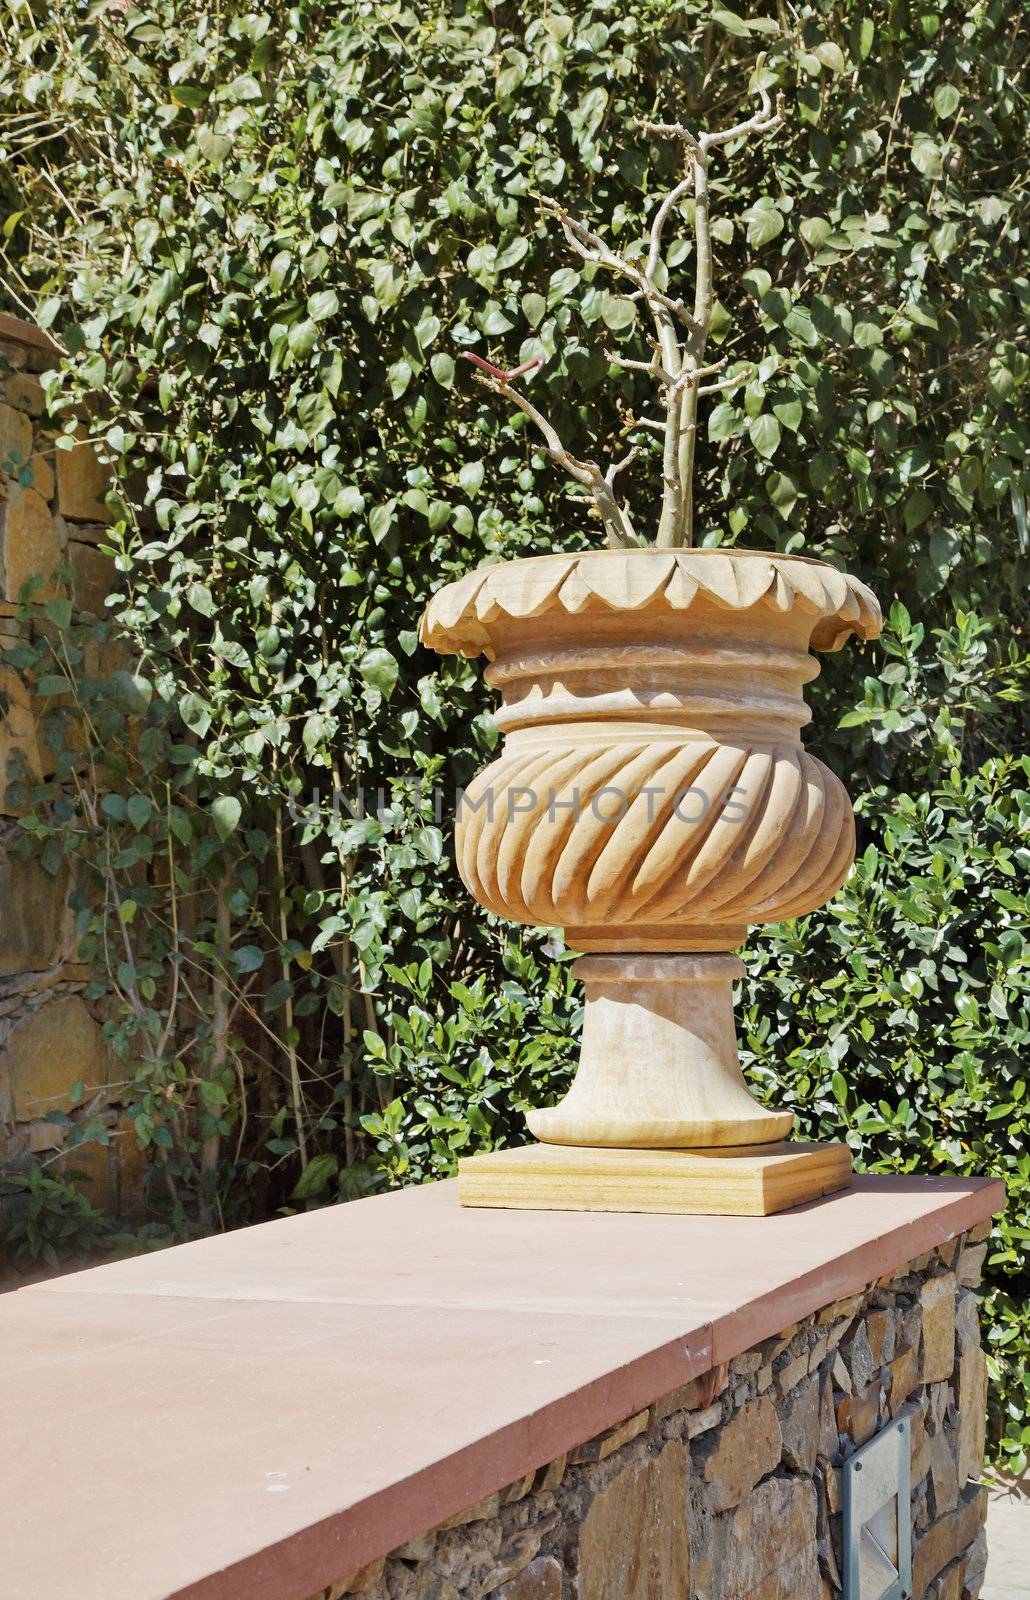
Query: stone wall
[(730, 1489), (51, 517)]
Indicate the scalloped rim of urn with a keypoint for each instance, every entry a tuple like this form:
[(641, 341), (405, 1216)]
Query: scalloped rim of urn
[(457, 619)]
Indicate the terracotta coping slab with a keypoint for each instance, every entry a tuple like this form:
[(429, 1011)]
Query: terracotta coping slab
[(253, 1416)]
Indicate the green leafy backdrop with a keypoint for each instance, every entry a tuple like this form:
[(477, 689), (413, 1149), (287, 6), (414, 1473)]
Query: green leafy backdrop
[(264, 236)]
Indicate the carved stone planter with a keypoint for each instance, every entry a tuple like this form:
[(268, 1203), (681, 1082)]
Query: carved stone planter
[(653, 798)]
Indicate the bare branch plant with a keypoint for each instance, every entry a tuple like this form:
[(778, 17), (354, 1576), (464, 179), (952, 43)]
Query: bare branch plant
[(678, 342)]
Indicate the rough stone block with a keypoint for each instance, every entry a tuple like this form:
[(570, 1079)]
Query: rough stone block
[(606, 1444), (879, 1329), (633, 1542), (947, 1539), (904, 1377), (511, 1557), (829, 1438), (948, 1585), (551, 1476), (45, 1136), (477, 1513), (974, 1565), (19, 740), (858, 1415), (790, 1374), (13, 355), (765, 1549), (29, 544), (818, 1353), (699, 1422), (799, 1425), (839, 1309), (94, 577), (940, 1405), (909, 1325), (81, 482), (358, 1583), (747, 1447), (418, 1549), (937, 1299), (919, 1440), (25, 393), (42, 477), (15, 441), (131, 1164), (92, 1167), (967, 1321), (518, 1490), (944, 1484), (34, 919), (972, 1414), (696, 1395), (540, 1581), (51, 1050), (971, 1265), (858, 1358)]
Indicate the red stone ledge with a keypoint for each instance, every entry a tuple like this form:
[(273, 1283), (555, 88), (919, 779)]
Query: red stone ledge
[(16, 331), (253, 1416)]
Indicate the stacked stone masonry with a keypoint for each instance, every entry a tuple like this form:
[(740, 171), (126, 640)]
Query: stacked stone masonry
[(731, 1488), (52, 523)]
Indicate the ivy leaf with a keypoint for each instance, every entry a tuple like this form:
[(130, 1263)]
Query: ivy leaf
[(225, 814), (399, 375), (765, 434), (730, 22), (380, 670), (380, 520), (830, 55), (201, 599), (471, 478), (724, 421), (926, 156), (783, 492), (946, 101), (195, 713), (815, 230), (323, 305), (764, 222), (301, 338), (917, 508), (788, 410), (617, 312), (316, 1177), (139, 810)]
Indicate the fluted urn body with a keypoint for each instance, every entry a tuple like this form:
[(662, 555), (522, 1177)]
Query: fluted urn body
[(653, 798)]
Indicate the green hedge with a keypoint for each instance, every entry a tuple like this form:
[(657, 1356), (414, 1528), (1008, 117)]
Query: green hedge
[(264, 236)]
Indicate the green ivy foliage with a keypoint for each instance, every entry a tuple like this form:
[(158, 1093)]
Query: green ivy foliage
[(264, 237)]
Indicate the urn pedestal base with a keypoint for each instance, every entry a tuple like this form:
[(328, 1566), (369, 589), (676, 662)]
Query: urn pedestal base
[(751, 1181), (658, 1117), (658, 1066)]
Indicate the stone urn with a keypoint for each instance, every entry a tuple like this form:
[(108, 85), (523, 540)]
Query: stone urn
[(653, 799)]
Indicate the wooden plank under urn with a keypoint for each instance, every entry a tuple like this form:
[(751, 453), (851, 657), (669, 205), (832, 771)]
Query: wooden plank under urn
[(654, 799)]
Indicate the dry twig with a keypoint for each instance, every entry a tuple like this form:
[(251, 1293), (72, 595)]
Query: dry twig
[(679, 340)]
